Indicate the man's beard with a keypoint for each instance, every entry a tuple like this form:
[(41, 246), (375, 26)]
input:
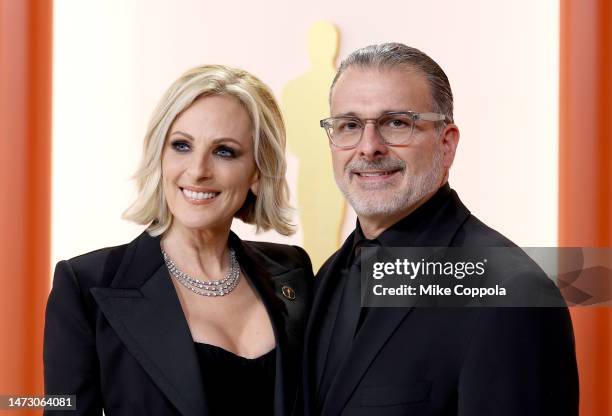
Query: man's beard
[(370, 202)]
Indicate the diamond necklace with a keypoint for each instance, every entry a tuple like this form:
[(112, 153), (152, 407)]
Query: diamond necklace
[(219, 287)]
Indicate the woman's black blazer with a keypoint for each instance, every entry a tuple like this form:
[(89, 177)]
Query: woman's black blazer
[(117, 338)]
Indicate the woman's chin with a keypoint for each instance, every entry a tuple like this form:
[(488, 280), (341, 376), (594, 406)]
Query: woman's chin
[(202, 224)]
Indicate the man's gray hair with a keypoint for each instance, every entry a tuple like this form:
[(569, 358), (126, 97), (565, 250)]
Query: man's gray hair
[(397, 55)]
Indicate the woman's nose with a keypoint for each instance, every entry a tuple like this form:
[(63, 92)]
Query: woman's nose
[(200, 166)]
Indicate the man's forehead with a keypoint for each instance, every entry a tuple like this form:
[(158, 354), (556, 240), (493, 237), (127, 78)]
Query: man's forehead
[(380, 90)]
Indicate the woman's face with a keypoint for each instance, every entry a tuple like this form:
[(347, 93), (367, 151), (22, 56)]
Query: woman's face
[(208, 165)]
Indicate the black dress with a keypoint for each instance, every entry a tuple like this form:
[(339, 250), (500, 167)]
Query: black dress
[(236, 385)]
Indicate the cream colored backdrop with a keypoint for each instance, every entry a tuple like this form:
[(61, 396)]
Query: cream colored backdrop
[(114, 58)]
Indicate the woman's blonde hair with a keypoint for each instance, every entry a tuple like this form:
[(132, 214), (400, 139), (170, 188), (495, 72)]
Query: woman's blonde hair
[(270, 208)]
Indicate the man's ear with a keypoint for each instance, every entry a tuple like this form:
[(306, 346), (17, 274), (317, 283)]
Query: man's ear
[(449, 139)]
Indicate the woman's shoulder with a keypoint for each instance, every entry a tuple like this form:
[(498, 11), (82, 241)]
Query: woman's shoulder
[(286, 255), (97, 267), (278, 252), (94, 258), (289, 269)]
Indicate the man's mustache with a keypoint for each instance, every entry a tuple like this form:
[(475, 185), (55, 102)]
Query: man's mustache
[(383, 164)]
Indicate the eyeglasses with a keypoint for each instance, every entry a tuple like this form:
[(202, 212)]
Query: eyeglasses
[(395, 128)]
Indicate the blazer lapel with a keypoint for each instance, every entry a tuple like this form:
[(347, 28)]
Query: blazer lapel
[(262, 272), (142, 307)]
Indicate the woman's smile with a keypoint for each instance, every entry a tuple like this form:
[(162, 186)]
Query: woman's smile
[(199, 197)]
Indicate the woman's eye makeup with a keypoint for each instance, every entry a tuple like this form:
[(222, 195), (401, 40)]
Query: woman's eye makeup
[(180, 146), (222, 151), (225, 152)]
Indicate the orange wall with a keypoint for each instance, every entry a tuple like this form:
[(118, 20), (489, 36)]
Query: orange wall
[(585, 176), (25, 178)]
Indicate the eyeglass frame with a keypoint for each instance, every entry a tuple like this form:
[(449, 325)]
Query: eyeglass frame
[(414, 116)]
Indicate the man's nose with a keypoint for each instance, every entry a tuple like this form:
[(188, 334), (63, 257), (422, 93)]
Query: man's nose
[(372, 144)]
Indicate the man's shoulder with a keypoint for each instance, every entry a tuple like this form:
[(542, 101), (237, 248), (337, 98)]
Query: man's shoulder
[(508, 265), (327, 263), (475, 233)]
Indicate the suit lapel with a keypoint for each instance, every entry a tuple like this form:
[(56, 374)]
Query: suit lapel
[(326, 282), (378, 327), (142, 307), (381, 323)]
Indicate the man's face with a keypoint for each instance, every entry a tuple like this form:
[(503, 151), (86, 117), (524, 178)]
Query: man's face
[(384, 183)]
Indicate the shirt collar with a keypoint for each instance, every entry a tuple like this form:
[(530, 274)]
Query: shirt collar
[(410, 228)]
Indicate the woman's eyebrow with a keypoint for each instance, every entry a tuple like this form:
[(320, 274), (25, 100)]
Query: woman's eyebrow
[(189, 136), (226, 139), (214, 142)]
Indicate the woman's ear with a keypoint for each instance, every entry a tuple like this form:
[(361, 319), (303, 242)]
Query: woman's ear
[(255, 184)]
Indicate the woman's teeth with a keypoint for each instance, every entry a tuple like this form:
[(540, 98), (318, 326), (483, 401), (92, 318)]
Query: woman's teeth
[(198, 196)]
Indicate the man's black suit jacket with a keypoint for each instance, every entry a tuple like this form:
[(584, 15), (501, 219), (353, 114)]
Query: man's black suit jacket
[(443, 361), (116, 336)]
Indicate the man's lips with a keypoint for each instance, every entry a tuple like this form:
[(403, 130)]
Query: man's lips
[(375, 173)]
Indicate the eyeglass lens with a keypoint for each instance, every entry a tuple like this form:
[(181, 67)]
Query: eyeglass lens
[(394, 129)]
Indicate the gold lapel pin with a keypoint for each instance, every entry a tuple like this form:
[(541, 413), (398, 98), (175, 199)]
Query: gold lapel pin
[(288, 292)]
